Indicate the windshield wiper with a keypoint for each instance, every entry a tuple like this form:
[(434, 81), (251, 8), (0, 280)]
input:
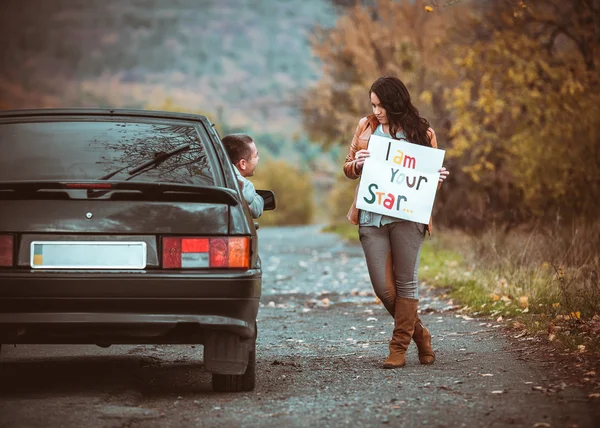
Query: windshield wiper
[(151, 164)]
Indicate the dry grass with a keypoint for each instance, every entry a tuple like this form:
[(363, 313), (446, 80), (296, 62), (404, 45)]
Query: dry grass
[(544, 279)]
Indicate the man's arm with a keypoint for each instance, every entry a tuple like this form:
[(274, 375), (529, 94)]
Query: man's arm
[(255, 201)]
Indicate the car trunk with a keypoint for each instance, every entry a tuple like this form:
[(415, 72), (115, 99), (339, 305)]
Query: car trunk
[(122, 226)]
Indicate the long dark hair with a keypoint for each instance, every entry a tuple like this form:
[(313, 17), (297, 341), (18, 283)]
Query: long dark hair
[(401, 114)]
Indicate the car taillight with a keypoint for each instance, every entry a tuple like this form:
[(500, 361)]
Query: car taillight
[(189, 252), (6, 250)]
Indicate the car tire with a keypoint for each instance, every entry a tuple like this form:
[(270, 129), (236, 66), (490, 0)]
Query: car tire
[(237, 383)]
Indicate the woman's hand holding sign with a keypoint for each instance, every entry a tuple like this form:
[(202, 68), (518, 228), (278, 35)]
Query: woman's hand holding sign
[(361, 156), (443, 173)]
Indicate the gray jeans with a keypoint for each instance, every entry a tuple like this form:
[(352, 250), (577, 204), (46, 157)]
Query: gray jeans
[(392, 252)]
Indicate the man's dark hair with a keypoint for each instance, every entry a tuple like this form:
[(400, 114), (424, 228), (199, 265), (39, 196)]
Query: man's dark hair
[(238, 147)]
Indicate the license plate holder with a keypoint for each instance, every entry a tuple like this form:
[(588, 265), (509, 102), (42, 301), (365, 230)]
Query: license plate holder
[(88, 255)]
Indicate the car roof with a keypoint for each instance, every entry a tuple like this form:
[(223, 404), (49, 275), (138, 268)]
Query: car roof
[(104, 113)]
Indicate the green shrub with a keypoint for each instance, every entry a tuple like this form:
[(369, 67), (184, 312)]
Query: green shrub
[(340, 199), (293, 190)]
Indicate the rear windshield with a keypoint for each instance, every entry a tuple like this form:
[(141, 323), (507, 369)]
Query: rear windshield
[(93, 150)]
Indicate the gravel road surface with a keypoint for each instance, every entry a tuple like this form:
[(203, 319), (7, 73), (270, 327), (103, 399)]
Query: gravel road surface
[(322, 340)]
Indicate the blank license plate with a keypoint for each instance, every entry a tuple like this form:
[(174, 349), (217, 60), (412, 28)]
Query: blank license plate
[(88, 255)]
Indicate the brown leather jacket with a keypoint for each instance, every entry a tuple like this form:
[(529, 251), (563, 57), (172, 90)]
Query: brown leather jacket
[(366, 126)]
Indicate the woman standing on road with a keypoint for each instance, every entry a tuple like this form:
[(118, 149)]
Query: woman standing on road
[(392, 246)]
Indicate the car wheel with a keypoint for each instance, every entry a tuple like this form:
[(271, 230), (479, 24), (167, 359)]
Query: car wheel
[(237, 383)]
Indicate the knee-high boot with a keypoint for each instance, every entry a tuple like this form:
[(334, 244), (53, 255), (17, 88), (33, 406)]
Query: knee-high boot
[(405, 314), (422, 338)]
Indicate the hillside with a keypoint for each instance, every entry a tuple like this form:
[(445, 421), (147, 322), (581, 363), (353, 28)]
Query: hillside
[(241, 61)]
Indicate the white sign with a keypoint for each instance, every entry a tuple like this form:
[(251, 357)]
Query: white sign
[(399, 179)]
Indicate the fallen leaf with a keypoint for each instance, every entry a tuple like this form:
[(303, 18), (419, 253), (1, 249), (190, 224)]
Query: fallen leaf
[(498, 392), (486, 374), (551, 337), (581, 348), (499, 319), (523, 301)]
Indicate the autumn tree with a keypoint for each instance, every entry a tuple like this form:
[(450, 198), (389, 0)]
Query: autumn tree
[(389, 37), (525, 108), (511, 87)]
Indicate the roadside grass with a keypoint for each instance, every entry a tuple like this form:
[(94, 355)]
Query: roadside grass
[(542, 283), (529, 281), (344, 229)]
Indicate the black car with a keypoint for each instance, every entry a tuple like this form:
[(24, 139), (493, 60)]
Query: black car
[(127, 227)]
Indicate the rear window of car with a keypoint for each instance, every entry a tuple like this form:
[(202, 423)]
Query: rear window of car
[(91, 150)]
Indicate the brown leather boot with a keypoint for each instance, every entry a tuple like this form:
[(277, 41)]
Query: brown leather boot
[(405, 314), (422, 338)]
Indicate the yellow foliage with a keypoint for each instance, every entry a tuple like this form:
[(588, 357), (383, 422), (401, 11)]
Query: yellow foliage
[(515, 108)]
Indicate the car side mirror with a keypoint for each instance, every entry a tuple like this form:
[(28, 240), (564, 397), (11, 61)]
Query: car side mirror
[(269, 198)]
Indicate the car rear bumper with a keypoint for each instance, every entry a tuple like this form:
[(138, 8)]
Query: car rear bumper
[(55, 307)]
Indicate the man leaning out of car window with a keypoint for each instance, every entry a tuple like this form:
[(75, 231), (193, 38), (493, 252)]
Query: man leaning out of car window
[(244, 155)]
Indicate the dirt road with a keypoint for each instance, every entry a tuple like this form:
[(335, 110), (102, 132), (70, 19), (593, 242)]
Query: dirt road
[(322, 339)]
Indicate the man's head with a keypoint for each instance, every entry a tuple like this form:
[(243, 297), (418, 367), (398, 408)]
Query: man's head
[(242, 152)]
